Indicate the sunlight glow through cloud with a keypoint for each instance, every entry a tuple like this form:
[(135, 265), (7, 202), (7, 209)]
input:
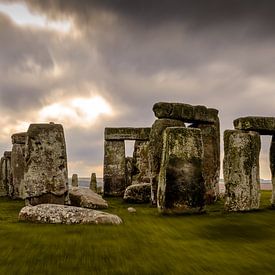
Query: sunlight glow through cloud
[(21, 15)]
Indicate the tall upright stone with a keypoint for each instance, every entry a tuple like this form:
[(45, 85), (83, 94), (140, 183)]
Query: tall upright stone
[(272, 168), (3, 183), (155, 151), (93, 182), (74, 180), (7, 173), (181, 186), (46, 173), (241, 170), (114, 174), (18, 164), (140, 169), (129, 169)]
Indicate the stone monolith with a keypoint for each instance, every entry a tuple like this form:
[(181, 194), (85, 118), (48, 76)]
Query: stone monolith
[(93, 182), (74, 180), (272, 168)]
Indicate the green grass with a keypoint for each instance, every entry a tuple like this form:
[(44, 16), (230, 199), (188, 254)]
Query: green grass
[(147, 243)]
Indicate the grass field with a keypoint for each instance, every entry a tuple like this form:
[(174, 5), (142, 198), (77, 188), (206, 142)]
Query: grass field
[(147, 243)]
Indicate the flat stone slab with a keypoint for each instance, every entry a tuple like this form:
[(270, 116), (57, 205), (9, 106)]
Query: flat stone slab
[(262, 125), (63, 214), (138, 193), (85, 197), (127, 133), (185, 112), (19, 138)]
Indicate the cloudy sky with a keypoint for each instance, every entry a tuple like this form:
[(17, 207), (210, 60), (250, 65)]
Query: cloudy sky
[(92, 64)]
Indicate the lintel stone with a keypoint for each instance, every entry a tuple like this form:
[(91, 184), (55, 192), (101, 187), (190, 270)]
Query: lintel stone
[(127, 133)]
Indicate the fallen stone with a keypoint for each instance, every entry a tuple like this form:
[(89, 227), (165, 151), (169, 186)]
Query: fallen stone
[(181, 186), (241, 170), (138, 193), (127, 133), (85, 197), (46, 173), (262, 125), (155, 151), (185, 112), (63, 214), (74, 180), (132, 210)]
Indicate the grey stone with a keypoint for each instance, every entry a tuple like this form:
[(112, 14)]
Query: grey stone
[(46, 173), (155, 151), (114, 173), (185, 112), (241, 170), (138, 193), (19, 138), (127, 133), (84, 197), (272, 168), (181, 186), (3, 181), (262, 125), (75, 180), (140, 166), (93, 182), (63, 214), (131, 210), (129, 169), (7, 177)]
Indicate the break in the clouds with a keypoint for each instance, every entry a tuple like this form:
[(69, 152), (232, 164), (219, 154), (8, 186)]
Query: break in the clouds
[(92, 64)]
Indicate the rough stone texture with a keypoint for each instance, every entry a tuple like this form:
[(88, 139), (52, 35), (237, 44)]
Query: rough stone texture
[(272, 168), (114, 174), (19, 138), (7, 173), (181, 186), (84, 197), (185, 112), (155, 151), (241, 170), (17, 170), (46, 174), (262, 125), (75, 180), (127, 133), (140, 169), (63, 214), (93, 182), (3, 181), (131, 210), (211, 159), (129, 169), (138, 193)]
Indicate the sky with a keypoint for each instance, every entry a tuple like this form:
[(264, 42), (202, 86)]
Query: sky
[(96, 64)]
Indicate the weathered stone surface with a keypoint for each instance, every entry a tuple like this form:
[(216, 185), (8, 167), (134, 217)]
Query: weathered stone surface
[(17, 169), (185, 112), (131, 210), (7, 177), (272, 168), (75, 180), (140, 169), (138, 193), (3, 180), (127, 133), (211, 159), (46, 174), (85, 197), (63, 214), (19, 138), (181, 186), (93, 182), (129, 169), (114, 174), (155, 151), (262, 125), (241, 170)]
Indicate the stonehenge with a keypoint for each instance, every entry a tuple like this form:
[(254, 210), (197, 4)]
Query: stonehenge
[(93, 182), (74, 180)]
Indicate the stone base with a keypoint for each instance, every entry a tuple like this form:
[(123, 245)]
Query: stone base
[(46, 198)]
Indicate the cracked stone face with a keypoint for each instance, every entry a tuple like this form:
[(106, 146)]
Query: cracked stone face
[(241, 170), (46, 173)]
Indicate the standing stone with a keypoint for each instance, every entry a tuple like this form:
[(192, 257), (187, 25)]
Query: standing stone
[(211, 160), (75, 180), (272, 168), (129, 169), (181, 186), (46, 173), (18, 164), (3, 186), (93, 182), (155, 151), (7, 173), (140, 170), (114, 174), (241, 170)]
